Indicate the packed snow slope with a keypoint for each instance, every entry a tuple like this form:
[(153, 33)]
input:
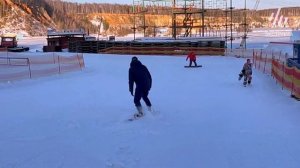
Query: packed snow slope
[(203, 118)]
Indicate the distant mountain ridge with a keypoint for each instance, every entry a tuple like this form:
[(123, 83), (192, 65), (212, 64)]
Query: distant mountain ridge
[(33, 17)]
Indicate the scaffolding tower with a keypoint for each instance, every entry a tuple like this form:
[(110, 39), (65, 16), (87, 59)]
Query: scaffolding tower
[(190, 18)]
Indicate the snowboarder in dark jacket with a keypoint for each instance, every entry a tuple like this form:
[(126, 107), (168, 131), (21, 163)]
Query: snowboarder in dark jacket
[(139, 74)]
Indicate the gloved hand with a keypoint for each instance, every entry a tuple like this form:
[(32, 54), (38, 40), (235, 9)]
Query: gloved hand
[(240, 76), (131, 91), (243, 71)]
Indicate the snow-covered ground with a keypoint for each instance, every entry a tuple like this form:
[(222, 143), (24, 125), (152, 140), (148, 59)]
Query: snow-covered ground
[(204, 118)]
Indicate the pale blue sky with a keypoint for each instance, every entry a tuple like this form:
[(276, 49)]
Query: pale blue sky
[(236, 3)]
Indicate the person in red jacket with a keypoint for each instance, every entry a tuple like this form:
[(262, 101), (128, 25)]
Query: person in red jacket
[(192, 57)]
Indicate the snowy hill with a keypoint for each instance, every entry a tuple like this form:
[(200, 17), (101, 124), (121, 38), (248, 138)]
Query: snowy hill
[(204, 118), (19, 18)]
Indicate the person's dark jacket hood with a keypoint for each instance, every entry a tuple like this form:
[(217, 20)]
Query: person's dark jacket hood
[(139, 74), (135, 63)]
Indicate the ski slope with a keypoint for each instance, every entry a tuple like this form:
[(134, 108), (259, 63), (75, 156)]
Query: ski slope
[(204, 118)]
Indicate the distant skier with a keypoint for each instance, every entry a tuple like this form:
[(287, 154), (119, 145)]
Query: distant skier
[(246, 73), (139, 74), (192, 57)]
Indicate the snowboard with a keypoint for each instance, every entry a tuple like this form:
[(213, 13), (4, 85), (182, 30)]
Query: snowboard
[(135, 117), (296, 98), (152, 111), (198, 66)]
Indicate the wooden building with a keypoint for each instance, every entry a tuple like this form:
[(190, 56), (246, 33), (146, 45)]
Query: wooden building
[(56, 41)]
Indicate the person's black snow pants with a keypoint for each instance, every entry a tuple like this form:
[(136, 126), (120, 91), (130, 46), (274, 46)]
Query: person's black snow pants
[(139, 93), (193, 62)]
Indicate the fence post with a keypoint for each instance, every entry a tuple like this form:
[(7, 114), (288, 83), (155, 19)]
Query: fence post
[(273, 71), (7, 60), (259, 61), (78, 61), (254, 59), (265, 63), (9, 63), (279, 55), (253, 56), (292, 90), (283, 71), (29, 66), (58, 64), (53, 58), (260, 56), (272, 66), (82, 63), (242, 53)]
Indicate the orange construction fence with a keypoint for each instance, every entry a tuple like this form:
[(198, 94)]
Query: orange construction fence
[(22, 66), (261, 59), (273, 63), (288, 77)]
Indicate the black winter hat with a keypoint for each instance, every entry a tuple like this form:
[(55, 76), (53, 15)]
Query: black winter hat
[(134, 59)]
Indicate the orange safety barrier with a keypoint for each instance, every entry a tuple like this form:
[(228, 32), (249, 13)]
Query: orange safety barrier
[(21, 66), (262, 62), (271, 62), (261, 59), (288, 77)]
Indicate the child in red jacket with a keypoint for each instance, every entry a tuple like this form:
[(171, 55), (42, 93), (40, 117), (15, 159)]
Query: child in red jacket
[(192, 57)]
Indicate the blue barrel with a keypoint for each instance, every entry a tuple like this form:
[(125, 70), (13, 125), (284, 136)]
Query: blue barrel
[(297, 51)]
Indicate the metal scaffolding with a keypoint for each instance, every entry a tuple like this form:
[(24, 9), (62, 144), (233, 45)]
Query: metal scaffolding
[(190, 18)]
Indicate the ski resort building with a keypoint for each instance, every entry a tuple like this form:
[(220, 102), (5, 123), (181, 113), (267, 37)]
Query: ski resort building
[(58, 40)]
